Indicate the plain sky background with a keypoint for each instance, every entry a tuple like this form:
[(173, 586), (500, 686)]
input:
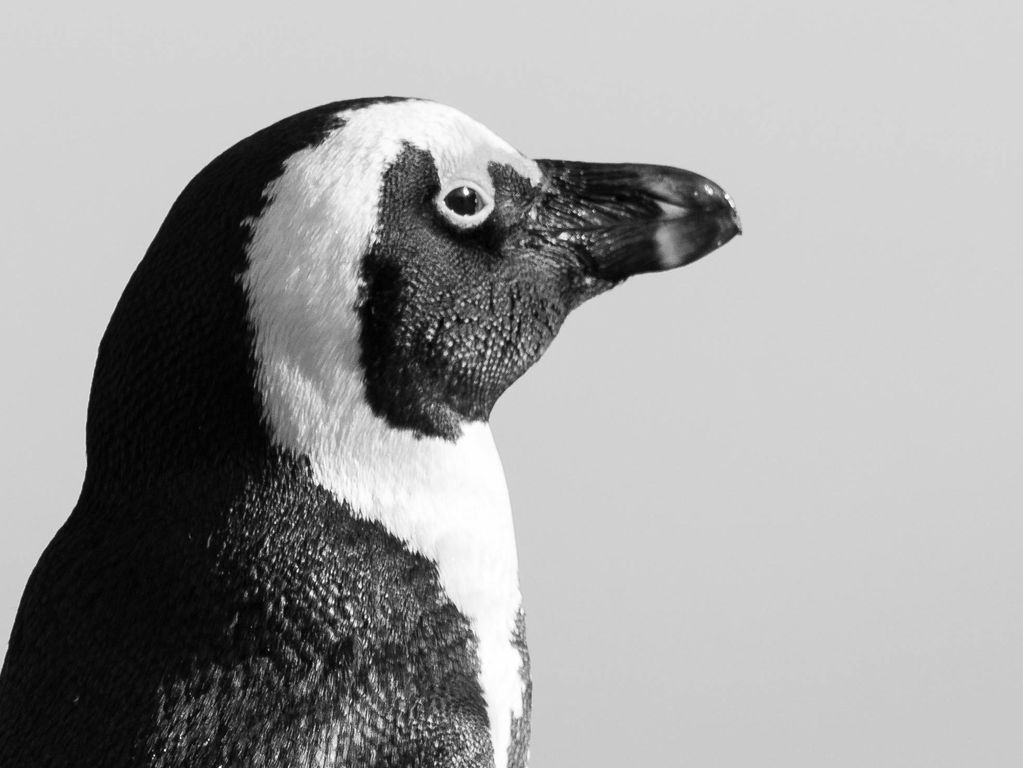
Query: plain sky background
[(769, 506)]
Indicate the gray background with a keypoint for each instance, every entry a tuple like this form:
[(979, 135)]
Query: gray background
[(768, 506)]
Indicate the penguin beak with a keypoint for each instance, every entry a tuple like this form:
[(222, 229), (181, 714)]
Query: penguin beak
[(625, 219)]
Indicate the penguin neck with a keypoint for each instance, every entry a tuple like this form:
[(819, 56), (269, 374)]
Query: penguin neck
[(445, 499)]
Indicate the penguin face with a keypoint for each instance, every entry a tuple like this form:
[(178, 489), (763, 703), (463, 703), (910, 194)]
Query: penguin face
[(415, 247), (443, 336)]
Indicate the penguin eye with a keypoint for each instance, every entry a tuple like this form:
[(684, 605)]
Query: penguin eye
[(463, 201), (464, 204)]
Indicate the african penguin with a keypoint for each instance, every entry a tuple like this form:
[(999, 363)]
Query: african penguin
[(293, 545)]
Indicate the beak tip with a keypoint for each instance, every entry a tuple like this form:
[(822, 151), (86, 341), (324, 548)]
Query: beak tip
[(735, 212)]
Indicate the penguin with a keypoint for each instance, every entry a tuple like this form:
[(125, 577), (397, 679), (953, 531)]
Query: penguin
[(293, 544)]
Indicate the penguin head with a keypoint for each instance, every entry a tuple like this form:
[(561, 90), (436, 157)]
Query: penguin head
[(387, 260), (414, 246)]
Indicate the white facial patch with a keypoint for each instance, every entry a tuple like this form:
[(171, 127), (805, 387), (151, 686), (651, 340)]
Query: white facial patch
[(446, 500)]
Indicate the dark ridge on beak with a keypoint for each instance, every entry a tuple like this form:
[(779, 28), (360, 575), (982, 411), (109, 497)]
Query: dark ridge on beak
[(623, 219)]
